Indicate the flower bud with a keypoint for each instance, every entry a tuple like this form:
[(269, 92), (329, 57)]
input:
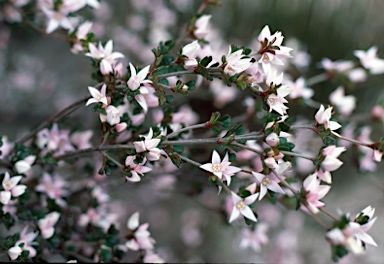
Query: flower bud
[(120, 127), (272, 139)]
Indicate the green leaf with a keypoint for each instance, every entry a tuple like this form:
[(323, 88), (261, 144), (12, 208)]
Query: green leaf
[(338, 251), (205, 61)]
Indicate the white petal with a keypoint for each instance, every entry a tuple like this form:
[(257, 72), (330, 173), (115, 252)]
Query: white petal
[(248, 213)]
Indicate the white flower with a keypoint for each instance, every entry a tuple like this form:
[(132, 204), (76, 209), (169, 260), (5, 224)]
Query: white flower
[(370, 61), (201, 25), (46, 224), (113, 115), (344, 103), (267, 182), (241, 206), (97, 96), (220, 168), (149, 144), (190, 51), (137, 78), (11, 189), (236, 63), (323, 116)]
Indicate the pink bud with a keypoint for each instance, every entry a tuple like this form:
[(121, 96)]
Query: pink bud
[(376, 155), (272, 139), (120, 127)]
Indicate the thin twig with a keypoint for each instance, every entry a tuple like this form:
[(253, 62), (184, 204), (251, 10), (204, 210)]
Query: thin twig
[(203, 125), (299, 155)]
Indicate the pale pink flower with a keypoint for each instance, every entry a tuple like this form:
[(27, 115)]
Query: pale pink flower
[(11, 188), (344, 103), (222, 95), (201, 26), (24, 165), (378, 112), (190, 51), (54, 140), (377, 155), (6, 147), (315, 192), (97, 96), (46, 224), (26, 239), (121, 127), (136, 170), (331, 161), (299, 89), (152, 257), (221, 168), (106, 54), (272, 50), (113, 115), (138, 78), (339, 66), (323, 117), (254, 238), (270, 182), (241, 206), (53, 187), (236, 63), (142, 238), (256, 74), (272, 139), (57, 18), (149, 144), (81, 139), (370, 60)]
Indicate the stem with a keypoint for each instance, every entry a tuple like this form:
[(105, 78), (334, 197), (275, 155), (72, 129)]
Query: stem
[(190, 161), (368, 145), (165, 75), (317, 79), (80, 152), (202, 125), (247, 147), (219, 141), (297, 155), (202, 7), (113, 160), (66, 111), (309, 126), (328, 214)]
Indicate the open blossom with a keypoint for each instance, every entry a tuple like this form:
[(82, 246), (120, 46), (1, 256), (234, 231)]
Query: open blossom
[(201, 26), (141, 237), (271, 50), (315, 192), (53, 187), (323, 117), (370, 60), (344, 103), (137, 78), (220, 168), (241, 206), (190, 51), (136, 170), (54, 140), (26, 241), (331, 161), (254, 238), (149, 144), (236, 63), (106, 54), (299, 89), (339, 66), (46, 224), (267, 182), (97, 96), (57, 18), (11, 188)]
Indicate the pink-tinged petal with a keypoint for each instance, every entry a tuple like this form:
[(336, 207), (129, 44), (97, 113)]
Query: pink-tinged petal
[(235, 214), (6, 178), (132, 245), (273, 186), (252, 188), (219, 174), (5, 197), (333, 125), (228, 179), (144, 169), (133, 221), (141, 100), (32, 251), (18, 190), (117, 55), (47, 232), (215, 157), (52, 26), (248, 213), (368, 225), (91, 101), (133, 70), (14, 252), (322, 191), (325, 176), (264, 34), (105, 67), (12, 183), (134, 177), (251, 199), (319, 115), (263, 191), (108, 47), (139, 146), (143, 73), (367, 239), (235, 198), (154, 154), (231, 170), (207, 167), (331, 164), (152, 143), (310, 182), (259, 177)]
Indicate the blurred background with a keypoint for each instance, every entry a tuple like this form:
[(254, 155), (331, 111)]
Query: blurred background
[(39, 76)]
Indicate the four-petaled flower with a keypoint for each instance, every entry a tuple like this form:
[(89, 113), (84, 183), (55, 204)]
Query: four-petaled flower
[(315, 192), (221, 168), (46, 224), (236, 62), (241, 206), (24, 243), (11, 189), (137, 78), (136, 169), (270, 182), (149, 144), (97, 96), (323, 117)]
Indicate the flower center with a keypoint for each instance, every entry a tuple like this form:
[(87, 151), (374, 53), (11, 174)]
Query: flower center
[(99, 97), (271, 100), (216, 167), (7, 185), (266, 181), (240, 205)]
